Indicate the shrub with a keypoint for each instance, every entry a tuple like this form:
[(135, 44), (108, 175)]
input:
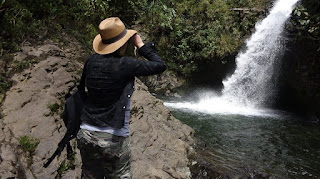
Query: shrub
[(5, 83), (53, 108), (20, 19), (28, 144), (190, 33), (66, 165)]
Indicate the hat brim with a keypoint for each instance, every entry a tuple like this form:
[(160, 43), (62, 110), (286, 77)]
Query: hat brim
[(103, 49)]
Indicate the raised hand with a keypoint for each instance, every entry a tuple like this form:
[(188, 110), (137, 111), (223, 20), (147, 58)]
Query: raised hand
[(137, 41)]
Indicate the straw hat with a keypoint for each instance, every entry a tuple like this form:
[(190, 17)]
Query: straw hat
[(112, 35)]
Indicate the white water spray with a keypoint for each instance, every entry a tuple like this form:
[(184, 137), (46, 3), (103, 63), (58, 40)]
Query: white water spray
[(252, 86)]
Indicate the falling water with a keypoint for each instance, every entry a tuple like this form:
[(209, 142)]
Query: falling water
[(241, 134), (252, 86)]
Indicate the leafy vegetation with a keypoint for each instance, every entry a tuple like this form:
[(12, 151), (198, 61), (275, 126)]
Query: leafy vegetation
[(21, 19), (29, 146), (23, 64), (188, 33), (66, 165), (306, 22), (306, 31), (53, 108), (4, 84)]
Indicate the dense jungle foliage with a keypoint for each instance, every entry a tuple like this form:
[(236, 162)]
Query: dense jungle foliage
[(190, 33), (187, 32), (306, 24)]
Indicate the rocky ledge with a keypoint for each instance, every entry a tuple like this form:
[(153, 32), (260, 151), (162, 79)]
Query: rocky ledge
[(32, 107)]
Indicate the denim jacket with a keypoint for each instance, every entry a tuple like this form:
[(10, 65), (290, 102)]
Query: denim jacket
[(110, 83)]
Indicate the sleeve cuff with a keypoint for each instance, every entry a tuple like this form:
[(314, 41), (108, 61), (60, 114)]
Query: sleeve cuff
[(146, 48)]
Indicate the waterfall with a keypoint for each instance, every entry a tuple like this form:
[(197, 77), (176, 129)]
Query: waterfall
[(252, 86), (253, 81)]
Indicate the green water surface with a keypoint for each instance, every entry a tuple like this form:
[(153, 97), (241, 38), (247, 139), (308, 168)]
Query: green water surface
[(284, 146)]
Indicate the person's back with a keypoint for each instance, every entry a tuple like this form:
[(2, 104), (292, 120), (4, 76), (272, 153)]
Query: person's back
[(109, 77)]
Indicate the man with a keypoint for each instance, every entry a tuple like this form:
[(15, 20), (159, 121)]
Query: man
[(103, 138)]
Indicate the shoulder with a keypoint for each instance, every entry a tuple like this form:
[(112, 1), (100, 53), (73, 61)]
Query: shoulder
[(95, 55)]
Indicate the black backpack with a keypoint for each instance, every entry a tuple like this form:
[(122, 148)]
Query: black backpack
[(71, 118)]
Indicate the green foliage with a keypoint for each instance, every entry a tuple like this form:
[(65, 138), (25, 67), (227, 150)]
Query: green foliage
[(306, 23), (260, 4), (28, 145), (189, 33), (20, 19), (53, 108), (5, 83), (66, 165), (23, 64), (15, 24)]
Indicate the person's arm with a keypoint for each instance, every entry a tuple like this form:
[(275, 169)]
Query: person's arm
[(137, 41), (155, 65)]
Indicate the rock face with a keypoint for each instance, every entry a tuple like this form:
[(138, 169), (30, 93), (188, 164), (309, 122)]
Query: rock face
[(160, 142), (300, 76), (164, 83), (26, 109), (32, 107)]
